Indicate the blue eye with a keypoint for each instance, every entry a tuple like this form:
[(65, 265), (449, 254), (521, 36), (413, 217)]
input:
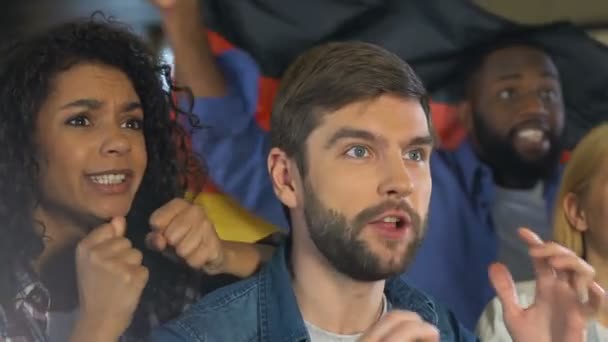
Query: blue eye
[(79, 121), (415, 155), (134, 124), (358, 152)]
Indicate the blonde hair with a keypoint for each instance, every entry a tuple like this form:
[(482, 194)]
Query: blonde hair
[(585, 161)]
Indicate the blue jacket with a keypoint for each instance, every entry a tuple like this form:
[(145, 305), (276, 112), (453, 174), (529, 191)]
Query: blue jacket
[(264, 308)]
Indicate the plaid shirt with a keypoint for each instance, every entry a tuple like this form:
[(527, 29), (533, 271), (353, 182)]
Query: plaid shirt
[(27, 320)]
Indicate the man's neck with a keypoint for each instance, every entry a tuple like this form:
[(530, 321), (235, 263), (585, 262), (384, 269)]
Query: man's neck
[(509, 182), (330, 300)]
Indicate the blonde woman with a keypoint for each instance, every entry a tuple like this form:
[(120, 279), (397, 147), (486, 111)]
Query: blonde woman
[(580, 224)]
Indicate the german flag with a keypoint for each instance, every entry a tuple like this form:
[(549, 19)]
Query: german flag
[(436, 37)]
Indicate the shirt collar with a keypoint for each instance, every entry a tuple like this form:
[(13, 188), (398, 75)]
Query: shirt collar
[(280, 315), (30, 290)]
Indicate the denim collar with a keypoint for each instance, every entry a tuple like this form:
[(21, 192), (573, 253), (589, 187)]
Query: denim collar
[(280, 317)]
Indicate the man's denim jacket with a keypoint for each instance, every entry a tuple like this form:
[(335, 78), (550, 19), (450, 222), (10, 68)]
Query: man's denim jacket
[(264, 308)]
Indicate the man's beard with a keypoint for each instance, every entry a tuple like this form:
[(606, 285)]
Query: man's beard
[(339, 240), (504, 160)]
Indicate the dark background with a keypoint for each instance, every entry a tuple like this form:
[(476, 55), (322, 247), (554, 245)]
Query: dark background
[(21, 16)]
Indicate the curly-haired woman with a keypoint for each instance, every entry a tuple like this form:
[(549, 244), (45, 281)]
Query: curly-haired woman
[(88, 165)]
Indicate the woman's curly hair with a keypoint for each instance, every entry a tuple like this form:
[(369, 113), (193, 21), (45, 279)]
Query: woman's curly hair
[(26, 75)]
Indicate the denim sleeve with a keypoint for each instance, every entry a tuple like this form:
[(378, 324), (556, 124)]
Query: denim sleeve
[(234, 147), (174, 332)]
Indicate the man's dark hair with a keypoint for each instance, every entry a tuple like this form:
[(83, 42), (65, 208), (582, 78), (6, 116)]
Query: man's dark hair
[(27, 71), (477, 56), (329, 77)]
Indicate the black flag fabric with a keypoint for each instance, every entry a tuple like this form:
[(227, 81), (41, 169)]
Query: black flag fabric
[(438, 38)]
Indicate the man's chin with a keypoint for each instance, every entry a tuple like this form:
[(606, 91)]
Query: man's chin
[(535, 156), (373, 265), (537, 164), (394, 262), (377, 274), (526, 166)]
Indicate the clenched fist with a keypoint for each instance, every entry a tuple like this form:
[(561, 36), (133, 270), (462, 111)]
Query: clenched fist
[(110, 277), (186, 228)]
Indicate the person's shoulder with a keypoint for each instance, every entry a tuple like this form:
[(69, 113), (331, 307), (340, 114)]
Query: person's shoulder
[(448, 179), (453, 159), (213, 318), (445, 165), (443, 157)]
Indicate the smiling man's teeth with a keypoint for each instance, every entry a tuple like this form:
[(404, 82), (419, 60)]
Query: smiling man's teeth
[(109, 179), (531, 134), (390, 219)]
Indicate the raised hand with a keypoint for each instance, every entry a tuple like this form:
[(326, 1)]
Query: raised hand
[(566, 295), (182, 7), (111, 279), (186, 229), (195, 65)]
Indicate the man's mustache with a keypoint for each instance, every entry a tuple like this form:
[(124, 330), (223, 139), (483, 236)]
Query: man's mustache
[(368, 214)]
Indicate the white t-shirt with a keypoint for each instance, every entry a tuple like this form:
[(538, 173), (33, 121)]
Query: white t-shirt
[(320, 335)]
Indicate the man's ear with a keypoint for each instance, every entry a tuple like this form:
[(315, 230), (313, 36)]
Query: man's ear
[(574, 213), (283, 174)]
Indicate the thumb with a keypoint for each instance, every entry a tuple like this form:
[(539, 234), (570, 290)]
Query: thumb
[(502, 281), (120, 226)]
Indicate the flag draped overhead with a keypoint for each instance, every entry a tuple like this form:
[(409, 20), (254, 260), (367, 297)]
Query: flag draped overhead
[(436, 37)]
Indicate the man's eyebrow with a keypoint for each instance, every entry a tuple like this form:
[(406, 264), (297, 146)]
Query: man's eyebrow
[(350, 133), (428, 140), (545, 73)]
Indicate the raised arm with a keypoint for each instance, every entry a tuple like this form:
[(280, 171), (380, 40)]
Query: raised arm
[(226, 95)]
